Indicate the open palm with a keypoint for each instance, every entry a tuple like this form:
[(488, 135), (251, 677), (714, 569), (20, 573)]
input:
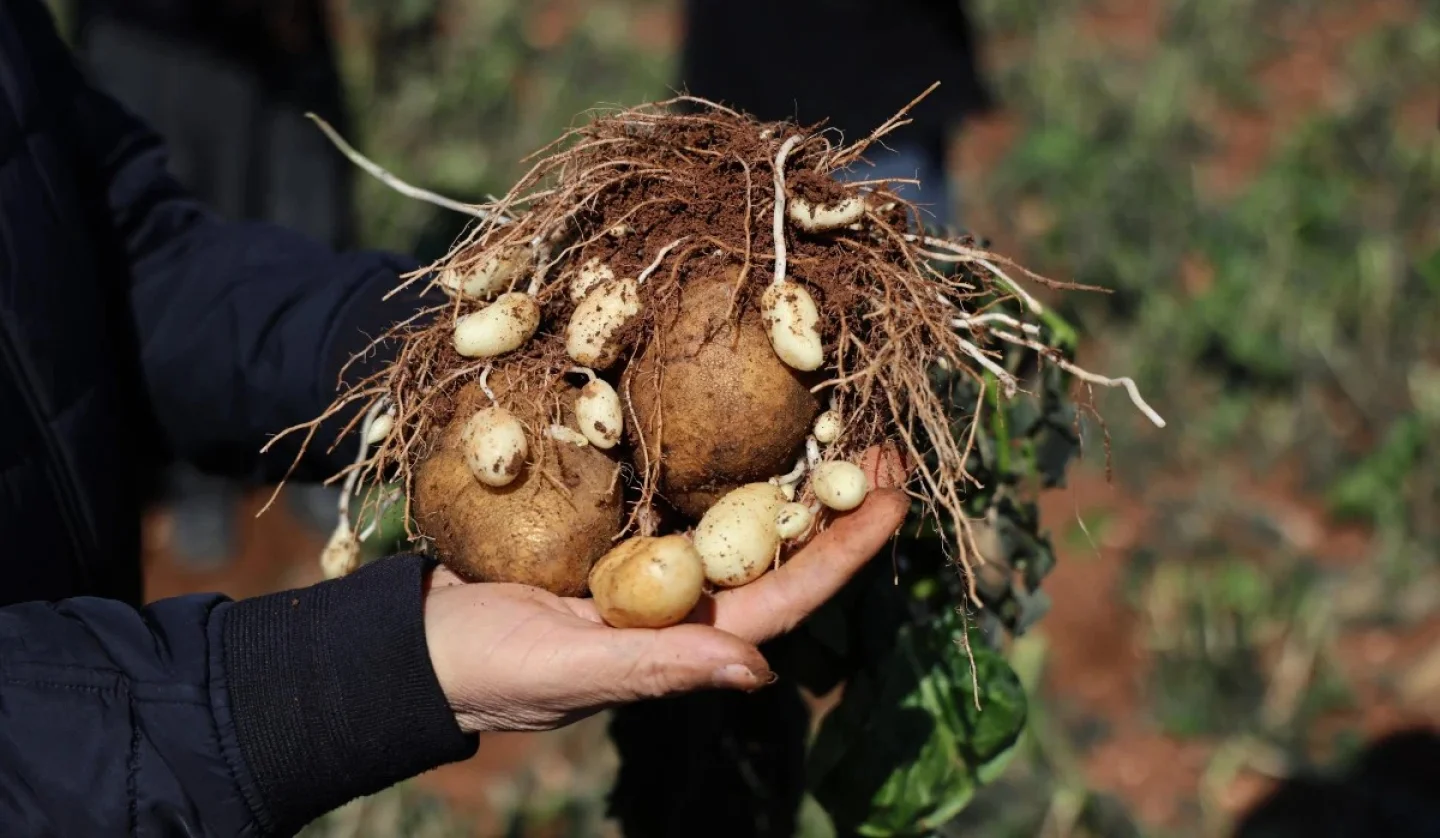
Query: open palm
[(513, 657)]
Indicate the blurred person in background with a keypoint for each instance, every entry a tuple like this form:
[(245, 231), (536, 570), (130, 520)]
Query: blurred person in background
[(138, 326), (854, 63), (226, 84)]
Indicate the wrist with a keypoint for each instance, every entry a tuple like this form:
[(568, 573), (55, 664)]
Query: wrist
[(332, 691), (444, 607)]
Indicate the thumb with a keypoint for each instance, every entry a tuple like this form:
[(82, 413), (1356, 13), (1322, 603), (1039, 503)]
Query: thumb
[(683, 659)]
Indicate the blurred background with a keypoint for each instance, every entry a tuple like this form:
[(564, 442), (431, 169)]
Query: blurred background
[(1244, 636)]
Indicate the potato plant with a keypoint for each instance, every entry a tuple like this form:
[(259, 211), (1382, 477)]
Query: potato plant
[(661, 355)]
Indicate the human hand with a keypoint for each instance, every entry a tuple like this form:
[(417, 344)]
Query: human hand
[(513, 657)]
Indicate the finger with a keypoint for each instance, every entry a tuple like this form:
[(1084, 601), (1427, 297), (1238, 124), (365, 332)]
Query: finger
[(777, 602), (584, 608), (442, 577), (885, 467), (640, 664)]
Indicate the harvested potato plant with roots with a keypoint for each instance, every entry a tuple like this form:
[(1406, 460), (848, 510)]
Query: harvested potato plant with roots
[(699, 329)]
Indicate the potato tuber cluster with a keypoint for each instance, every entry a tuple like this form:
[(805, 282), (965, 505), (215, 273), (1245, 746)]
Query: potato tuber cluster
[(662, 353)]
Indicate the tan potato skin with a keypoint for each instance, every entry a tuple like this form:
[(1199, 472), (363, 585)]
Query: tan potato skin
[(732, 412), (648, 582), (528, 532)]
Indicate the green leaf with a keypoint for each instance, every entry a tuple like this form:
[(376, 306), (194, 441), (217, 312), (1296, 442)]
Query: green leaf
[(389, 535), (1429, 269), (905, 750), (1377, 480)]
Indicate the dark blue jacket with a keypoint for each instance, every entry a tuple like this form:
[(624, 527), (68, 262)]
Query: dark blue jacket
[(134, 326)]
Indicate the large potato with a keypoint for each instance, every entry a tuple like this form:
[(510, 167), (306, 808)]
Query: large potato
[(728, 411), (532, 531)]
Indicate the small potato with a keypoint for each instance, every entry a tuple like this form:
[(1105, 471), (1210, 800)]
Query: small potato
[(342, 552), (792, 520), (380, 429), (648, 582), (794, 325), (598, 412), (492, 275), (839, 485), (590, 274), (827, 427), (503, 326), (593, 337), (737, 538), (495, 446), (820, 218)]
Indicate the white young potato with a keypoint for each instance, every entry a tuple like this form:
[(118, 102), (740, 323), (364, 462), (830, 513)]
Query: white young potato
[(819, 218), (793, 520), (737, 537), (342, 552), (794, 324), (827, 427), (492, 275), (592, 336), (503, 326), (589, 275), (380, 429), (495, 446), (840, 485), (599, 414), (647, 582)]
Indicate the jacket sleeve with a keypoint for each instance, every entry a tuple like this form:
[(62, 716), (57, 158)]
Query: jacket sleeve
[(243, 327), (202, 716)]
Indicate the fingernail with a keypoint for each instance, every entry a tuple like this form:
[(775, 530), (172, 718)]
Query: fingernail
[(737, 676)]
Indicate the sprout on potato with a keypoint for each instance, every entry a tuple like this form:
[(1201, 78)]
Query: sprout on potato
[(648, 582), (495, 446), (503, 326)]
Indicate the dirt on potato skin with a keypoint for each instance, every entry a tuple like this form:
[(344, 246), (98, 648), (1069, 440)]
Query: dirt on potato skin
[(714, 403)]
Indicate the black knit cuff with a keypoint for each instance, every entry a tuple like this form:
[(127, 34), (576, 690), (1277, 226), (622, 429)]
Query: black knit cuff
[(332, 692)]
